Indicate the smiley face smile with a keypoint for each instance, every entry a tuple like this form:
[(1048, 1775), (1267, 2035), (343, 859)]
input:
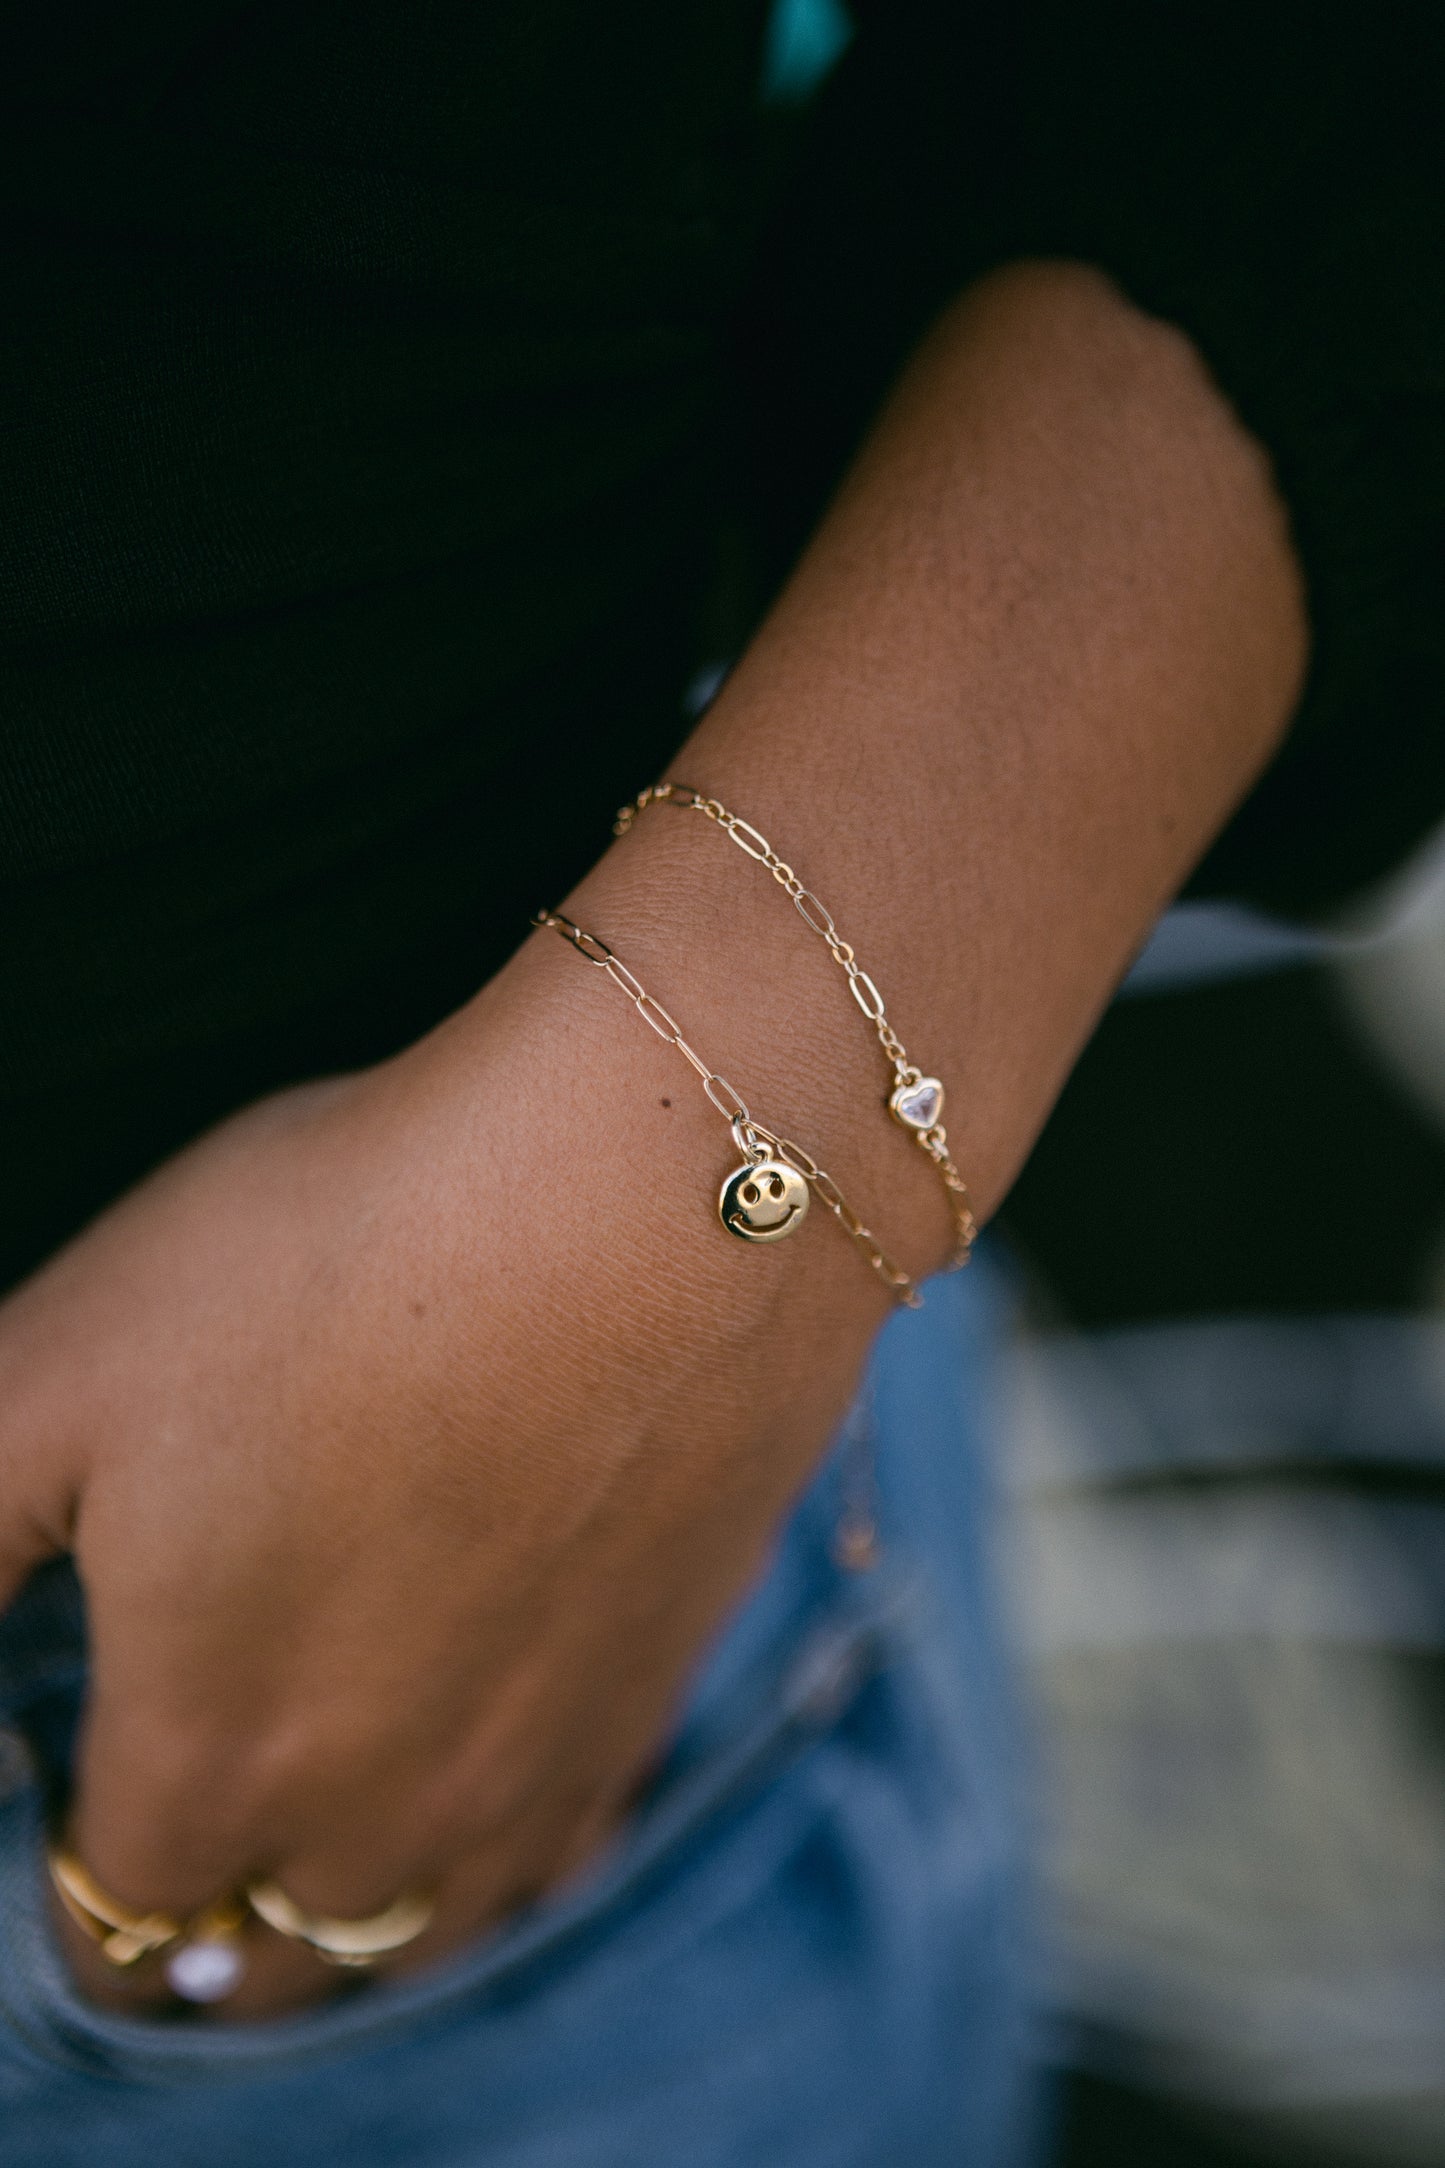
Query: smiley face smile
[(780, 1228)]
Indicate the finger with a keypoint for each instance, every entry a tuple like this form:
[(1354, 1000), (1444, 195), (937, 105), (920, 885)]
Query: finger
[(475, 1875), (178, 1806), (169, 1800), (35, 1490), (22, 1549), (179, 1868)]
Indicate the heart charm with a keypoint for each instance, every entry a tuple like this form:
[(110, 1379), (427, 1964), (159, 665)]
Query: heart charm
[(917, 1105)]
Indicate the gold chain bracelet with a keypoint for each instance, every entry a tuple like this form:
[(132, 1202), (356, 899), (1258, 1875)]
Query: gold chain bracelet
[(915, 1101), (766, 1197)]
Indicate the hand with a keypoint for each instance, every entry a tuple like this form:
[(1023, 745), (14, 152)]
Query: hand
[(386, 1425)]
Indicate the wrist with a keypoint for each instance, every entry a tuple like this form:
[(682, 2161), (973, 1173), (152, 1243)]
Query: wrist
[(577, 1164)]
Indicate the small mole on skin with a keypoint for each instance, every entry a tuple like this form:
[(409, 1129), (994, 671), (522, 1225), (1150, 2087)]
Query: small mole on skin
[(667, 1102), (418, 1309)]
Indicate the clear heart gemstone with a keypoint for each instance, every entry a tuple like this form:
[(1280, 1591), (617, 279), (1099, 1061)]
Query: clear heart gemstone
[(918, 1105)]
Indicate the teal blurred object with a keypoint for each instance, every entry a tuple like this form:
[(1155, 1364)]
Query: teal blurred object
[(805, 39)]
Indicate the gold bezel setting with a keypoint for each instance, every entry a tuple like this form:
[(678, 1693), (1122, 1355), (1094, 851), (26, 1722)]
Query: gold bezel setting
[(917, 1104)]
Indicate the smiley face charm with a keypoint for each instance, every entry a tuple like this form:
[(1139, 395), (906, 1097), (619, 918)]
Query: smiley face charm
[(762, 1203)]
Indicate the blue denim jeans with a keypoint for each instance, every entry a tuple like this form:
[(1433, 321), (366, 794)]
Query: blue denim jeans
[(807, 1950)]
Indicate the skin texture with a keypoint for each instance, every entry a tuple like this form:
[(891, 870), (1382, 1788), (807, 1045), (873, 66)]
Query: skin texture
[(410, 1443)]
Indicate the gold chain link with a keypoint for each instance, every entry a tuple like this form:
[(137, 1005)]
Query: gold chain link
[(815, 914), (750, 1135), (893, 1276)]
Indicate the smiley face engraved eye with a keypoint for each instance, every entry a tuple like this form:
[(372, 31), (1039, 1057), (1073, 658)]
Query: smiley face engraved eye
[(777, 1187), (750, 1193)]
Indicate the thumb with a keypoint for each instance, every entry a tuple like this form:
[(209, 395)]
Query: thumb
[(37, 1483), (23, 1547), (34, 1515)]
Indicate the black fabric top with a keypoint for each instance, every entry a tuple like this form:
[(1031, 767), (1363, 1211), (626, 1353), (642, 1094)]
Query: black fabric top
[(377, 379)]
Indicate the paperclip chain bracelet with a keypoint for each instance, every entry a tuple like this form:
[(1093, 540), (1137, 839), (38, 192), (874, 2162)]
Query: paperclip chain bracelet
[(766, 1197), (915, 1101)]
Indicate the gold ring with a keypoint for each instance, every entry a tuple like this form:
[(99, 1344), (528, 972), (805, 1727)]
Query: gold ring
[(122, 1936), (202, 1961), (351, 1943)]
